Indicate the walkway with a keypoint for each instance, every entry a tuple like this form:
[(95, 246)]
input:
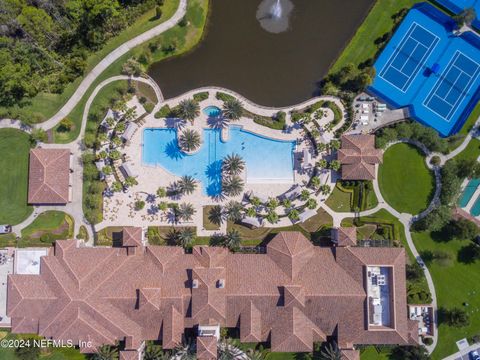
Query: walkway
[(110, 59)]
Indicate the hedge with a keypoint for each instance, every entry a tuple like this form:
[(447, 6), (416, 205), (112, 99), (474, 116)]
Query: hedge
[(201, 96)]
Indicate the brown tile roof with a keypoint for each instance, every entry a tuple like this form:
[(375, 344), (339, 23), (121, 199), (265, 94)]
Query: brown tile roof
[(132, 236), (358, 157), (206, 348), (129, 355), (345, 236), (350, 354), (48, 177), (294, 295)]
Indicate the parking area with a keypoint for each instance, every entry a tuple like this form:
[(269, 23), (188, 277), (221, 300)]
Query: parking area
[(467, 356)]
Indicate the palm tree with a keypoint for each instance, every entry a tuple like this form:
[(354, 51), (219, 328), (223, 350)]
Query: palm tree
[(189, 140), (185, 211), (304, 195), (272, 217), (186, 237), (233, 164), (232, 109), (233, 239), (293, 215), (188, 109), (184, 351), (234, 211), (106, 352), (215, 215), (232, 186), (154, 352), (187, 184), (255, 354), (331, 352)]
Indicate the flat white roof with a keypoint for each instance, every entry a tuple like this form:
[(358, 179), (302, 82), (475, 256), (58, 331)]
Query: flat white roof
[(27, 261)]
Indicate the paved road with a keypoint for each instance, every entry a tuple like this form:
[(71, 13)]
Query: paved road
[(464, 354)]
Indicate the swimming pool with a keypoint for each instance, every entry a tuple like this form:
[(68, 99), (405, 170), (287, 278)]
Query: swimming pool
[(267, 160), (212, 111), (475, 210), (468, 192)]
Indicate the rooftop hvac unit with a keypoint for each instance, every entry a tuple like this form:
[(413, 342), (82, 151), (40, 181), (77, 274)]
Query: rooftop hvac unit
[(221, 283), (381, 280), (194, 284)]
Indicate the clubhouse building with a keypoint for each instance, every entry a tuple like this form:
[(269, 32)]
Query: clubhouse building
[(289, 297)]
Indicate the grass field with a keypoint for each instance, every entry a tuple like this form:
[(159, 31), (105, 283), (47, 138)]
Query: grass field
[(407, 186), (50, 353), (46, 228), (185, 37), (45, 105), (378, 22), (455, 285), (370, 353), (207, 224), (14, 147), (342, 199), (471, 152)]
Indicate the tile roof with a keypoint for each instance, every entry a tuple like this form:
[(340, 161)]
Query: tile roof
[(132, 236), (49, 176), (293, 295), (358, 157), (206, 347), (345, 236)]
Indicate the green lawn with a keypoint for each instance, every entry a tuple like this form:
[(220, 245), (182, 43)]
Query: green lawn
[(471, 120), (370, 353), (51, 353), (46, 228), (455, 285), (45, 105), (207, 224), (185, 37), (405, 181), (14, 147), (342, 198), (379, 21), (471, 152), (339, 200)]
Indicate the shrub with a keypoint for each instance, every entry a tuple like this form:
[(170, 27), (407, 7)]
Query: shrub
[(148, 107), (65, 125), (435, 161), (427, 341), (223, 97), (164, 112), (201, 96), (139, 205)]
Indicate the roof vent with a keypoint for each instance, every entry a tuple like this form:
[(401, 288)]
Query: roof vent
[(194, 284), (221, 283)]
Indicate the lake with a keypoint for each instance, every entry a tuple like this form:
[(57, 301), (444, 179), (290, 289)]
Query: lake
[(273, 69)]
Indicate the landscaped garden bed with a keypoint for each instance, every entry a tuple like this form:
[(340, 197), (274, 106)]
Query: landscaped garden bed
[(46, 228), (351, 196)]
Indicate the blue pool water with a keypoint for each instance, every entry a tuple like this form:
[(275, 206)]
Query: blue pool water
[(475, 210), (267, 160), (468, 192), (429, 70), (212, 111)]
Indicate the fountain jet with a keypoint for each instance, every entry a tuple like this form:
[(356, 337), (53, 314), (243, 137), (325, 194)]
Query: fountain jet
[(276, 10)]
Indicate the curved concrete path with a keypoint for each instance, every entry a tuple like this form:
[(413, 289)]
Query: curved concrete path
[(108, 60)]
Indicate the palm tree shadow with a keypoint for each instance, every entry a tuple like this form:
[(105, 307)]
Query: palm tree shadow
[(218, 122), (173, 151), (214, 176), (175, 123)]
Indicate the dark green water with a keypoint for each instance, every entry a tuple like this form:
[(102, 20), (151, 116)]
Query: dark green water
[(270, 69)]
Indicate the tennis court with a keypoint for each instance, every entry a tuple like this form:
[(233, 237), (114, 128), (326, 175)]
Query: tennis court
[(430, 70), (452, 85), (409, 57)]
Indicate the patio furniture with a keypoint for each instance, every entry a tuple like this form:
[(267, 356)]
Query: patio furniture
[(293, 193)]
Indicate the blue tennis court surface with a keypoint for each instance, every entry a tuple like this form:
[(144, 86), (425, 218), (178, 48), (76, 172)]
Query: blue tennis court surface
[(457, 6), (428, 69)]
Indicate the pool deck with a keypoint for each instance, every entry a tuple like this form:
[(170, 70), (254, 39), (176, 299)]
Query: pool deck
[(119, 209)]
